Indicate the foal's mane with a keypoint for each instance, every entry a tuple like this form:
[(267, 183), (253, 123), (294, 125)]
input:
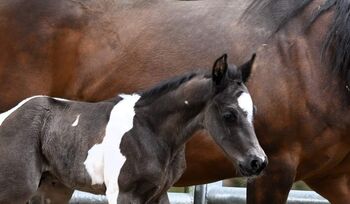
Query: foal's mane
[(169, 85), (337, 43)]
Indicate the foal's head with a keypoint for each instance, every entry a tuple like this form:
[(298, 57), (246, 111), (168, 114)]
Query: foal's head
[(219, 103), (229, 116)]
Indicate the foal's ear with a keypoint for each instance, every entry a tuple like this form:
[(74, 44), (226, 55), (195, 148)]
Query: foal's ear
[(246, 68), (220, 69)]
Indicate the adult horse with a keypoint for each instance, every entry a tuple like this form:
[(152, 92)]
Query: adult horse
[(92, 49)]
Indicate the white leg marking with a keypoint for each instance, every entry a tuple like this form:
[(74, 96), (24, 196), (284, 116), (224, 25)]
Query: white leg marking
[(4, 115), (104, 160), (246, 104), (76, 122)]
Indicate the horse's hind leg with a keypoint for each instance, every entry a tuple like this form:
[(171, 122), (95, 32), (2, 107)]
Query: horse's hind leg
[(20, 170), (335, 188), (18, 181), (21, 161)]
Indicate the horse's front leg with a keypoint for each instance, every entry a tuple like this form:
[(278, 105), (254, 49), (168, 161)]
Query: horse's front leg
[(274, 185)]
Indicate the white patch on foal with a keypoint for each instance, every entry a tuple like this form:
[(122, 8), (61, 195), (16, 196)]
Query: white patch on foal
[(104, 160), (246, 104), (76, 122), (59, 99), (4, 115)]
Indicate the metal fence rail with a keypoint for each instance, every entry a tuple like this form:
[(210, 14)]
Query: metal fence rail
[(216, 194), (209, 194), (80, 197)]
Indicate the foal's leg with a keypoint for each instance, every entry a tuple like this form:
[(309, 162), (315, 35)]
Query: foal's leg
[(164, 199), (335, 188), (274, 185), (19, 177), (132, 198), (20, 156), (53, 192)]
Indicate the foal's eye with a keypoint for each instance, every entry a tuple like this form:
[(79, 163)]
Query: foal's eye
[(229, 116), (238, 94)]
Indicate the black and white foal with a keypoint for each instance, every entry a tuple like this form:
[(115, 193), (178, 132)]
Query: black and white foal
[(141, 138)]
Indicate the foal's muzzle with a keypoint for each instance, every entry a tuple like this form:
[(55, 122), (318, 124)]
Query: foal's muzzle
[(253, 165)]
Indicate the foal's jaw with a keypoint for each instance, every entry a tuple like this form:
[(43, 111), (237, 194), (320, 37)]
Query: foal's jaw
[(254, 161)]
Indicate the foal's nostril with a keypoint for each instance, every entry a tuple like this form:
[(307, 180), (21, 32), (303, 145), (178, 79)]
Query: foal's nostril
[(264, 164), (255, 164)]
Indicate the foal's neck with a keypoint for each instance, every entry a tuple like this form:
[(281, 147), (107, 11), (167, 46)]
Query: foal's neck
[(176, 115)]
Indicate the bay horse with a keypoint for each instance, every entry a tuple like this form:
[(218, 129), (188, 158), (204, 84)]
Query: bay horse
[(90, 50), (77, 142)]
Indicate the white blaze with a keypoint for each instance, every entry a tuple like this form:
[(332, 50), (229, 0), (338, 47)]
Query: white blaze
[(104, 160), (246, 104)]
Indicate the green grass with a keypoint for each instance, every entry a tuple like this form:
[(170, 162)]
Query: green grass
[(179, 189), (242, 182)]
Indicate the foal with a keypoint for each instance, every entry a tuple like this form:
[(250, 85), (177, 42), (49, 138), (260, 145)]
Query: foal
[(78, 143)]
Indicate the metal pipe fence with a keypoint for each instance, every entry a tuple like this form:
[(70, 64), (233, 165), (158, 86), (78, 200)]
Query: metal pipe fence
[(213, 193), (80, 197)]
